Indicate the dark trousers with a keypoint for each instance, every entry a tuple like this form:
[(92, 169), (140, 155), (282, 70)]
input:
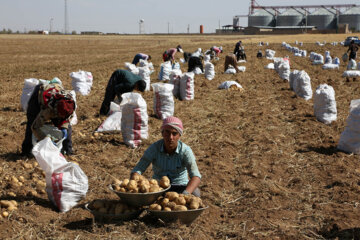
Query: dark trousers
[(31, 114), (195, 62), (181, 188), (352, 55), (110, 94), (136, 59)]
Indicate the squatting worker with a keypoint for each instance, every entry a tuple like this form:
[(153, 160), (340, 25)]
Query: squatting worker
[(49, 102), (353, 48), (121, 81), (142, 56), (230, 59), (169, 55), (172, 158)]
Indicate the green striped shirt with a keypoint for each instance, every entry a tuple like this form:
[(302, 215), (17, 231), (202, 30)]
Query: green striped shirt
[(178, 166)]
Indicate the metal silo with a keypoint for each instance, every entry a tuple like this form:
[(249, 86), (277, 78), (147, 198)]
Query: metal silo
[(322, 19), (261, 18), (291, 17), (351, 17)]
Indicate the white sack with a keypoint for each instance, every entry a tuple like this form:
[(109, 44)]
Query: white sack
[(66, 183), (82, 82), (292, 78), (350, 137), (351, 73), (29, 85), (197, 71), (228, 84), (163, 100), (132, 68), (351, 65), (302, 88), (73, 121), (112, 122), (230, 70), (270, 66), (175, 77), (330, 66), (209, 71), (325, 104), (241, 68), (269, 54), (165, 69), (144, 73), (134, 120), (187, 91)]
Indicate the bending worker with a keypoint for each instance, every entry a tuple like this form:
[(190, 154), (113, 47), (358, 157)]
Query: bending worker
[(140, 56), (121, 81), (49, 102), (169, 55), (172, 158)]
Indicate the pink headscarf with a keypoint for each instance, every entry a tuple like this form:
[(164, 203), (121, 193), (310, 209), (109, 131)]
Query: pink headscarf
[(173, 122)]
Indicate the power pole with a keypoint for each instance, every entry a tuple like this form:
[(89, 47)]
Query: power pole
[(66, 27), (51, 22), (188, 29), (168, 28)]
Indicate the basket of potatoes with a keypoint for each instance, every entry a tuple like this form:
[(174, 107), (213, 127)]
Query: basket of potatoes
[(112, 210), (140, 191), (174, 206)]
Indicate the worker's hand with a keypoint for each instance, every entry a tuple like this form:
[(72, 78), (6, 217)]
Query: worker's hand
[(185, 192), (64, 131)]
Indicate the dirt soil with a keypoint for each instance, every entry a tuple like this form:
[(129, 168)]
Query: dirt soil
[(269, 169)]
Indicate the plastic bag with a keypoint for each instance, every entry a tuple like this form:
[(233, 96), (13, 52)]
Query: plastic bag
[(66, 183)]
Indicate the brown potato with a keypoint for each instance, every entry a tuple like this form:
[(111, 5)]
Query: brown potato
[(125, 183), (144, 188), (135, 177), (180, 201), (188, 198), (167, 209), (116, 182), (171, 205), (180, 208), (132, 185), (164, 182), (154, 188), (194, 204), (171, 195), (155, 207), (153, 182), (164, 201)]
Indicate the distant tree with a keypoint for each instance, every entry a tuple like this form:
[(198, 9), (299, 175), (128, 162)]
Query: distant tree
[(73, 32), (9, 31)]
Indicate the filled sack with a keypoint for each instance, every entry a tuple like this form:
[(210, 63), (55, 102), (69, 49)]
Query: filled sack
[(82, 82), (229, 84), (144, 73), (29, 85), (302, 87), (66, 183), (230, 70), (175, 77), (187, 91), (270, 66), (350, 137), (134, 120), (131, 68), (325, 104), (113, 122), (163, 100), (209, 70), (351, 73), (351, 65), (330, 66), (165, 70)]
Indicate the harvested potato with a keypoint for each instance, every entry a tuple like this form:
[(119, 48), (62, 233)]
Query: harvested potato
[(180, 208), (144, 188), (154, 188), (153, 182), (5, 214), (116, 182), (180, 201), (164, 202), (194, 204), (164, 182), (167, 209), (135, 177), (122, 189), (116, 187), (171, 205), (171, 195), (155, 207), (132, 185), (125, 183), (188, 198)]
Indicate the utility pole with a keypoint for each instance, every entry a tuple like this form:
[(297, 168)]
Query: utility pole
[(188, 29), (66, 27), (51, 22), (168, 28)]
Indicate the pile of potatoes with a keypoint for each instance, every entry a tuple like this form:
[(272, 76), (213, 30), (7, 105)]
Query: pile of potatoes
[(111, 207), (7, 206), (139, 184), (173, 201)]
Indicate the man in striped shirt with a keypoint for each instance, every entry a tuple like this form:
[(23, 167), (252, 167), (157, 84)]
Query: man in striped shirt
[(172, 158)]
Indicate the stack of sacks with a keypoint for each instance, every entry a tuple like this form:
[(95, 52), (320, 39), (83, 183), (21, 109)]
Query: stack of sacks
[(351, 71), (317, 59), (331, 63), (325, 104), (350, 137), (301, 84), (82, 82)]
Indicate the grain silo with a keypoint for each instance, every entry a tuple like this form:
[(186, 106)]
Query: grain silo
[(291, 17), (322, 19), (261, 17), (351, 17)]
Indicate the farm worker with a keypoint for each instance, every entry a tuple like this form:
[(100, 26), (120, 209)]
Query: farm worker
[(353, 48), (216, 50), (239, 51), (259, 54), (121, 81), (169, 55), (172, 158), (49, 102), (195, 62), (230, 59), (141, 56)]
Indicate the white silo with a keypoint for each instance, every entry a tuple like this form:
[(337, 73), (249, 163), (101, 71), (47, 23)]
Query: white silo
[(261, 17), (322, 19), (351, 17), (291, 17)]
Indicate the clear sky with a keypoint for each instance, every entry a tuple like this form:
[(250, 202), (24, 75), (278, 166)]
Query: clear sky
[(122, 16)]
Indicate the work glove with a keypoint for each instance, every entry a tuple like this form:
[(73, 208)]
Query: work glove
[(64, 131), (185, 192)]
